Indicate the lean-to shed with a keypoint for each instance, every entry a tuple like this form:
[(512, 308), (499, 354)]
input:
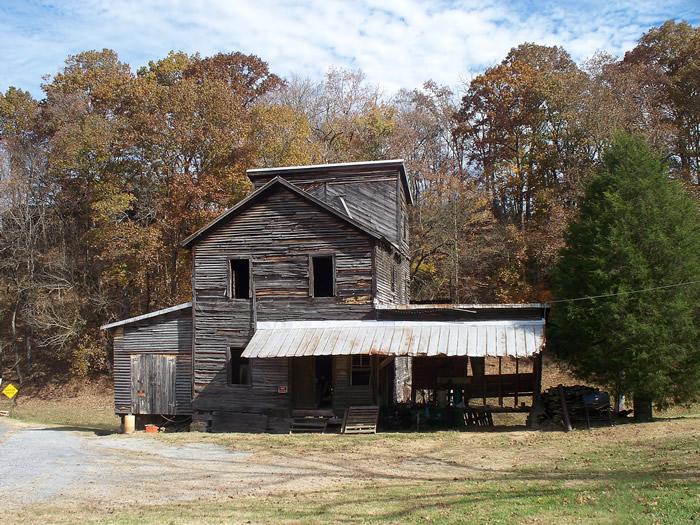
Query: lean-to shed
[(153, 362)]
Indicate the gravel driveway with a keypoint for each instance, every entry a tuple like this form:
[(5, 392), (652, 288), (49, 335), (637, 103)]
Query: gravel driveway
[(42, 464)]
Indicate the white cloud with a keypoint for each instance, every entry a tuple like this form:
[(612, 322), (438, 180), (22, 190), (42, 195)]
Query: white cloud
[(397, 43)]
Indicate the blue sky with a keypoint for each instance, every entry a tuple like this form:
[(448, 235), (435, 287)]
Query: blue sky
[(397, 43)]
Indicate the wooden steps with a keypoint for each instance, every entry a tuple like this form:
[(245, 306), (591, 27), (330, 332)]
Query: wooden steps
[(361, 420), (307, 425)]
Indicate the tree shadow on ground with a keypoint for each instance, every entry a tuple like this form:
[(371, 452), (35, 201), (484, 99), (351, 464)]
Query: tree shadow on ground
[(97, 431)]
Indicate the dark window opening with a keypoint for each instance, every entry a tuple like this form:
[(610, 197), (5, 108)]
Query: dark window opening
[(393, 278), (238, 368), (323, 276), (239, 287), (360, 370)]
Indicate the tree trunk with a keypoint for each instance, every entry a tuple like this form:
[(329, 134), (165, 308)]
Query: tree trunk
[(642, 409)]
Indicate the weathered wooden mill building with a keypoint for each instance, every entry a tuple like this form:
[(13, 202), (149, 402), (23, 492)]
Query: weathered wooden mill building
[(301, 302)]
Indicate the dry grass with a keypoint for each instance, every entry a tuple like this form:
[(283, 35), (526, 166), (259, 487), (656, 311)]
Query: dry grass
[(625, 474), (88, 405)]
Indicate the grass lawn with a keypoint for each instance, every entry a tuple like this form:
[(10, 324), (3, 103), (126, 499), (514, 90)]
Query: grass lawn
[(627, 474), (630, 473), (647, 473)]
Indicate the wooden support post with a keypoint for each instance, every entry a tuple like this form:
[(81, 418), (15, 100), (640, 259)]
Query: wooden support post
[(537, 390), (564, 409), (500, 382), (517, 380)]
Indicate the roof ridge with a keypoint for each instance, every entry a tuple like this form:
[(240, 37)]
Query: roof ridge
[(301, 193)]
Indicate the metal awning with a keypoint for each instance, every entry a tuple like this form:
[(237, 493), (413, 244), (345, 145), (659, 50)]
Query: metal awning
[(397, 338)]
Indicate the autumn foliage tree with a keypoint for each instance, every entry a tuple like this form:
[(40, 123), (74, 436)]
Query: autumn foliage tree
[(106, 173)]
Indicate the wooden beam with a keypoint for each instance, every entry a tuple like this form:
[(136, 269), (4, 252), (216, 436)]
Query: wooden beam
[(564, 409), (517, 385), (500, 382), (384, 362)]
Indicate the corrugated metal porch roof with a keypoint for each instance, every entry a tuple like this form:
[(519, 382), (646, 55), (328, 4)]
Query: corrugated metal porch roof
[(397, 338)]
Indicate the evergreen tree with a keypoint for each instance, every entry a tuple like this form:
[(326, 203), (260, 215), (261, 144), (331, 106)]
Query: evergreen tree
[(636, 229)]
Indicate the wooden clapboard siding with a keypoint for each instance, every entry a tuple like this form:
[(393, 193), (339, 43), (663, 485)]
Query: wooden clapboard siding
[(345, 394), (403, 220), (278, 233), (388, 260), (169, 334), (371, 195)]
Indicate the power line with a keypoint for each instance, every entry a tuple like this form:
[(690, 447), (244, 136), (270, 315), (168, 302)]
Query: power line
[(642, 290)]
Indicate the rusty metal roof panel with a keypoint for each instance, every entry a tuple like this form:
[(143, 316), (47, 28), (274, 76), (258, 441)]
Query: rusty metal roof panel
[(399, 338)]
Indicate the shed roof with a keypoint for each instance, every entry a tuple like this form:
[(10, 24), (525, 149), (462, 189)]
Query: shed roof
[(146, 316), (270, 186), (397, 338), (343, 166)]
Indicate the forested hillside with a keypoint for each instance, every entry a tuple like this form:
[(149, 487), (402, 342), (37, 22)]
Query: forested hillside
[(102, 178)]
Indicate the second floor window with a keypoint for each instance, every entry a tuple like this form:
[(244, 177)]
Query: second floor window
[(239, 279), (322, 276)]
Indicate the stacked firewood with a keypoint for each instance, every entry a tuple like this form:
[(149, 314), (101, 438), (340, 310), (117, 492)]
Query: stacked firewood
[(556, 412)]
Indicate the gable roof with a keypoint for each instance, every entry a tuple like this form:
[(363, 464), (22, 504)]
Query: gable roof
[(344, 166), (267, 188)]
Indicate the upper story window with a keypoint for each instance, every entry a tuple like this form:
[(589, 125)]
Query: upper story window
[(322, 276), (239, 279)]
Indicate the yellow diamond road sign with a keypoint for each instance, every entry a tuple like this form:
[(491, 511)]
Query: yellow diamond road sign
[(10, 391)]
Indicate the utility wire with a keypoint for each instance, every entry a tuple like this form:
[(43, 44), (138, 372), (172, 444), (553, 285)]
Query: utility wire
[(588, 298)]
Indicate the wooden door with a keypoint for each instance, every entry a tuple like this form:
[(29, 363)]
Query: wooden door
[(153, 384), (303, 382)]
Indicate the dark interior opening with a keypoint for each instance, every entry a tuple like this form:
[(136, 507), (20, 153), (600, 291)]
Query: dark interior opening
[(324, 381), (323, 276), (238, 368), (240, 278)]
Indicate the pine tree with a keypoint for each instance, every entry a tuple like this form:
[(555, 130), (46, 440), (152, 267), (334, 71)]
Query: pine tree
[(636, 229)]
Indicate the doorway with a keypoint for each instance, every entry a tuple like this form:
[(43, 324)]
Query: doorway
[(153, 384), (311, 382), (324, 381)]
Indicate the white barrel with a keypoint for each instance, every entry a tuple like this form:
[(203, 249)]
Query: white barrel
[(128, 423)]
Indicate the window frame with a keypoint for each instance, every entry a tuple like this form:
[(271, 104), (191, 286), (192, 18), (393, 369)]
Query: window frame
[(330, 256), (230, 287), (229, 372), (367, 367)]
